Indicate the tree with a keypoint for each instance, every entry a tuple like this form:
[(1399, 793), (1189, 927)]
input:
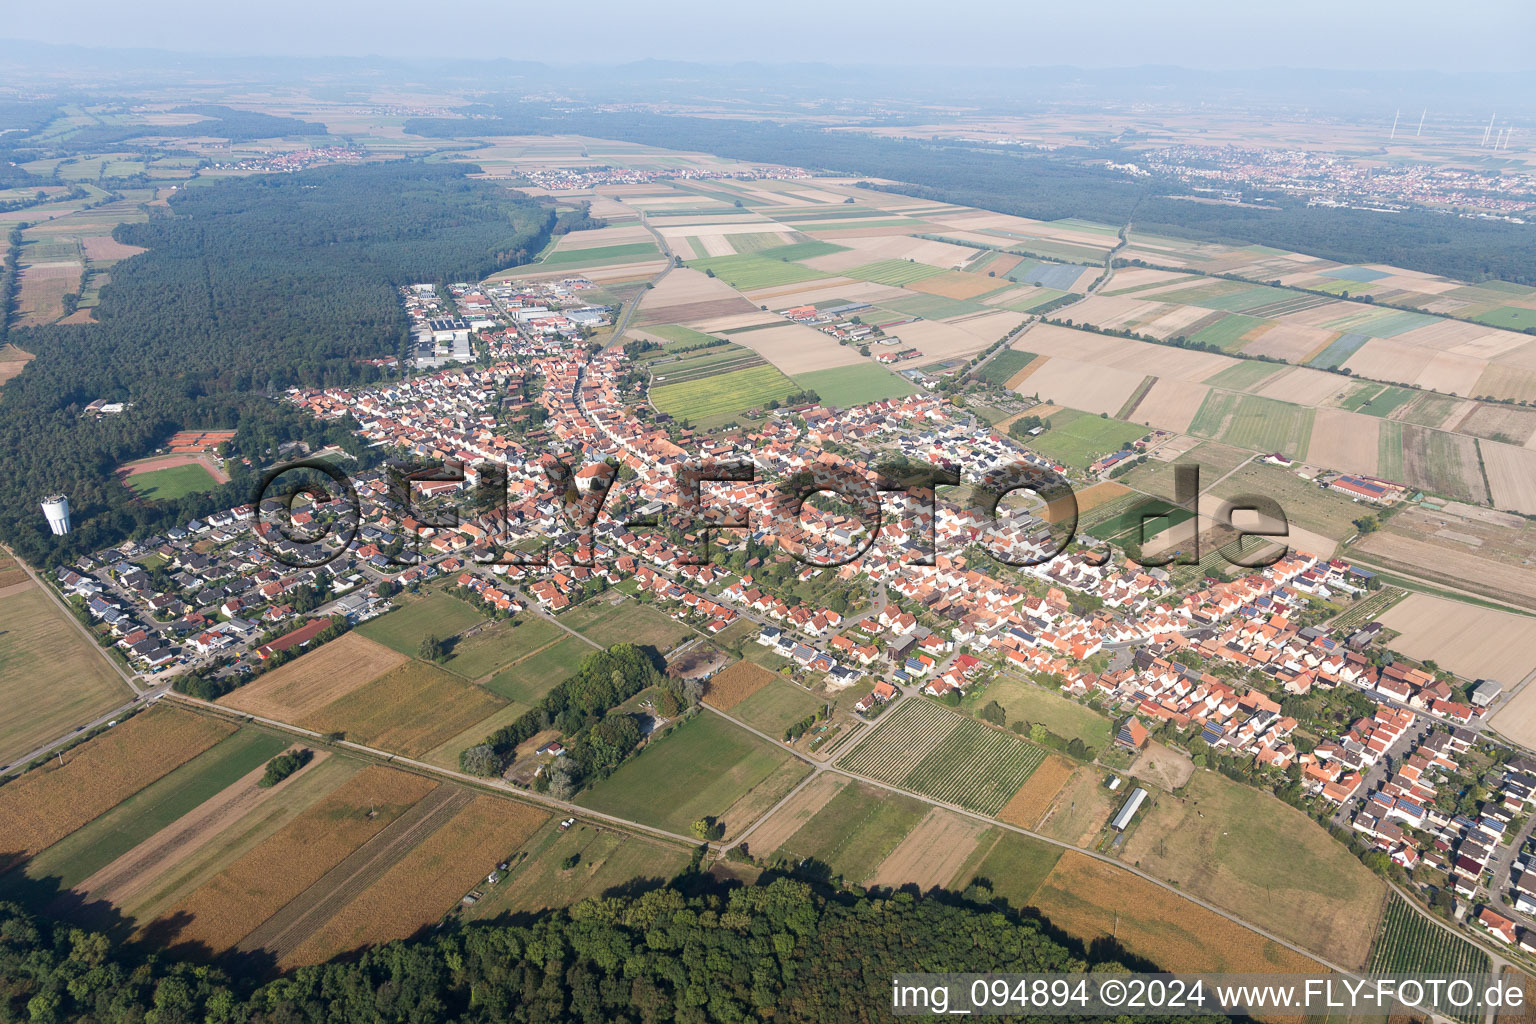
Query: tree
[(432, 648), (480, 760), (562, 779), (707, 828), (994, 712)]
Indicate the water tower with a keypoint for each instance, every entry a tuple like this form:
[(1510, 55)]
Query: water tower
[(56, 509)]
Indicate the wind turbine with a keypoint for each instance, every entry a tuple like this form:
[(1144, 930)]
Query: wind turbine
[(1489, 128), (1421, 123), (1394, 125)]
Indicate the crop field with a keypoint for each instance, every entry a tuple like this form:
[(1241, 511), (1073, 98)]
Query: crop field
[(529, 679), (1230, 333), (1030, 804), (933, 853), (234, 903), (1244, 374), (48, 803), (1411, 943), (424, 884), (1140, 522), (1213, 841), (496, 646), (412, 709), (438, 614), (1305, 504), (733, 392), (1078, 439), (1000, 368), (12, 361), (751, 271), (51, 678), (735, 684), (893, 272), (854, 831), (1090, 899), (797, 251), (1436, 629), (308, 683), (626, 622), (848, 386), (776, 707), (703, 767), (602, 255), (1258, 424), (940, 753)]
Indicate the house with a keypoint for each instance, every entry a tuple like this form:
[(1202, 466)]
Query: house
[(1132, 735)]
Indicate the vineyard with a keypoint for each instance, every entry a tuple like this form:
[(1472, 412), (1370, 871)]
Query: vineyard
[(1411, 943), (945, 755), (1367, 608)]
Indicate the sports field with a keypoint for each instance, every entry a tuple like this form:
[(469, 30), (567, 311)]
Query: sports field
[(940, 753), (51, 677), (847, 386), (172, 482), (702, 768)]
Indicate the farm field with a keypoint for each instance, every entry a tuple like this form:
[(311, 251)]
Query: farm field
[(308, 683), (491, 648), (1080, 809), (1410, 943), (933, 852), (51, 678), (940, 753), (734, 392), (1030, 804), (848, 386), (736, 683), (605, 859), (1305, 504), (1011, 865), (1220, 840), (50, 802), (437, 614), (412, 709), (999, 370), (12, 361), (536, 674), (1437, 629), (750, 271), (1258, 424), (625, 622), (854, 832), (776, 707), (1078, 439), (701, 768)]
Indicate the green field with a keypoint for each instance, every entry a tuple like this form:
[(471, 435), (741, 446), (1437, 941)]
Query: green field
[(625, 622), (1377, 399), (529, 680), (1126, 526), (1003, 366), (754, 270), (1014, 867), (678, 335), (929, 749), (94, 846), (1227, 333), (700, 769), (172, 482), (1214, 459), (1079, 439), (1244, 374), (1258, 424), (848, 386), (723, 394), (602, 255), (776, 707), (801, 250), (855, 831), (1410, 943), (1514, 318), (438, 614), (1305, 504), (893, 272), (1026, 702), (496, 646)]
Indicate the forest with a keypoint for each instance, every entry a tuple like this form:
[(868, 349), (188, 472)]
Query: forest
[(248, 287), (689, 951), (1050, 186)]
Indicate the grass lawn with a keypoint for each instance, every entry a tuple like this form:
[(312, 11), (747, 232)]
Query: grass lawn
[(1079, 439), (529, 680), (51, 678), (856, 830), (1027, 702), (627, 621), (497, 646), (172, 482), (1222, 841), (776, 707), (436, 614), (91, 848), (847, 386), (701, 768)]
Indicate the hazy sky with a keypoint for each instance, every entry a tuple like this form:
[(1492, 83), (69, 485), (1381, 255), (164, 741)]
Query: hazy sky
[(1361, 34)]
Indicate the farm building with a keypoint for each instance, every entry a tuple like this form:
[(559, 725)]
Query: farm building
[(1132, 805)]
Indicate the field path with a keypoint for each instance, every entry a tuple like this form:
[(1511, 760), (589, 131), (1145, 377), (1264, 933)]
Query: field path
[(285, 930), (121, 881)]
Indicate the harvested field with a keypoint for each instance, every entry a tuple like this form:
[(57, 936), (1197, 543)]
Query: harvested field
[(419, 888), (1345, 440), (957, 284), (1220, 841), (48, 803), (307, 684), (1511, 476), (795, 348), (1459, 567), (1171, 404), (411, 710), (1441, 463), (1099, 494), (227, 908), (124, 881), (1091, 899), (1031, 803), (1507, 424), (12, 361), (938, 340), (1438, 629), (1082, 807), (931, 854), (786, 821), (105, 248), (41, 288), (1078, 385)]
